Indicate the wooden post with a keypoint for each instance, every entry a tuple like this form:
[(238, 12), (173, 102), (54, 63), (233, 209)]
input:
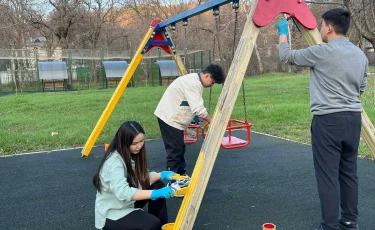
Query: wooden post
[(368, 131), (207, 156)]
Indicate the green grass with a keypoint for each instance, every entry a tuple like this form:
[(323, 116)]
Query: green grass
[(277, 104)]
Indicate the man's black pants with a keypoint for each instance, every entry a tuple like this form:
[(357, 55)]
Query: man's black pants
[(335, 138), (174, 146)]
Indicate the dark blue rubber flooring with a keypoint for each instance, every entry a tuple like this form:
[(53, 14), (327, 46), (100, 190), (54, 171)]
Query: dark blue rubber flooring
[(271, 180)]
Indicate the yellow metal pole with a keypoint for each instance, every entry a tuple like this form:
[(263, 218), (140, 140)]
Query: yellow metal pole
[(180, 65), (116, 95)]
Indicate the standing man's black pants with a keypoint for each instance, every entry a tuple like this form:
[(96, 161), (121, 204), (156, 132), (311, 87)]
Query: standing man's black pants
[(335, 139), (174, 146)]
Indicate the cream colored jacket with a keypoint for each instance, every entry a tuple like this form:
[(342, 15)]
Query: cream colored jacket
[(182, 101)]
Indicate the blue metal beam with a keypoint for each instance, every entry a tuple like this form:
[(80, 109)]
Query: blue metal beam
[(197, 10)]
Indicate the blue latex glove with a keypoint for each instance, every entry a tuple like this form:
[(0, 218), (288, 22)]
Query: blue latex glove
[(196, 120), (166, 175), (282, 27), (165, 192)]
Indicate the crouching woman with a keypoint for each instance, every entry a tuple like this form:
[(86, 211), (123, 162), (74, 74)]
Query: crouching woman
[(124, 185)]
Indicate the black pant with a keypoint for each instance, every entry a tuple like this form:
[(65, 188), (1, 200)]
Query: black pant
[(156, 217), (335, 139), (174, 146)]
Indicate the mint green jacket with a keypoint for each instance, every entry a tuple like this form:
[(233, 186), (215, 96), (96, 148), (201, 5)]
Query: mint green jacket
[(115, 199)]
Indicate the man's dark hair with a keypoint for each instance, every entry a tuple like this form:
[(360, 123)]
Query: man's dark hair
[(216, 72), (339, 19)]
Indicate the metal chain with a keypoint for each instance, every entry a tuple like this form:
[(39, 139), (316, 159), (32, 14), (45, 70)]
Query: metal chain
[(215, 35), (235, 30), (185, 42), (216, 15), (244, 99), (217, 22), (234, 50), (209, 101)]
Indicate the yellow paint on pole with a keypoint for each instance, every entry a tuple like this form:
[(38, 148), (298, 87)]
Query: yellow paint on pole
[(116, 96)]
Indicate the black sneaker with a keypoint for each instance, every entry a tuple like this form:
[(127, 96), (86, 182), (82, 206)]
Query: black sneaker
[(347, 225)]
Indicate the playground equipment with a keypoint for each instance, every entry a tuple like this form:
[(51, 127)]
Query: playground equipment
[(53, 75), (230, 141), (158, 36), (114, 71), (190, 140), (168, 71)]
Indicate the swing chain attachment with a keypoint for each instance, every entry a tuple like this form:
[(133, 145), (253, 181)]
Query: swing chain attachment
[(173, 28), (235, 5), (215, 11)]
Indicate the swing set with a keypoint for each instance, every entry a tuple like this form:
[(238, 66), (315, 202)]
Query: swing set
[(262, 13), (229, 141)]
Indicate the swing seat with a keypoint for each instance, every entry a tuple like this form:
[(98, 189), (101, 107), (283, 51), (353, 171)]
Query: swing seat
[(230, 141), (191, 140)]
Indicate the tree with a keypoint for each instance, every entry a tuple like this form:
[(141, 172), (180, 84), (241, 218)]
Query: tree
[(363, 14), (57, 22)]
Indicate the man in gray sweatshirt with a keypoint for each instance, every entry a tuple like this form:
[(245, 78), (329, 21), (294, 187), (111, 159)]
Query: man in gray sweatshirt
[(338, 76)]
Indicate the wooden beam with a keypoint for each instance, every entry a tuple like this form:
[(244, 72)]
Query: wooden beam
[(368, 131), (207, 156)]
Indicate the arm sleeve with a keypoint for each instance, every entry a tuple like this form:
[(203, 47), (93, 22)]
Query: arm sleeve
[(364, 81), (118, 184), (150, 175), (304, 57), (193, 95)]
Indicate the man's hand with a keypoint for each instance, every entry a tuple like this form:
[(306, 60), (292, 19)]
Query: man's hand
[(282, 27)]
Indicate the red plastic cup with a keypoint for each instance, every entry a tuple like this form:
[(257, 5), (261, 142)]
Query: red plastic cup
[(268, 226)]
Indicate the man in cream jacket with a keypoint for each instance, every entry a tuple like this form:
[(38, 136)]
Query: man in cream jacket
[(180, 103)]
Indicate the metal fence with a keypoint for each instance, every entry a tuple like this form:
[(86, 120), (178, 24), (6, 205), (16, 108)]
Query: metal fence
[(19, 71)]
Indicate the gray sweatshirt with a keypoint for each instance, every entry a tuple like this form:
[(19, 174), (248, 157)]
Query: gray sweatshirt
[(338, 74)]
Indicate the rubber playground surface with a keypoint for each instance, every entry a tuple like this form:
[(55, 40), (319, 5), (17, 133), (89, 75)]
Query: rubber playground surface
[(271, 180)]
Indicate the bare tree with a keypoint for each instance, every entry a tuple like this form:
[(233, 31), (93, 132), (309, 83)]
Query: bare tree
[(97, 15), (13, 27), (15, 32), (59, 21), (363, 13)]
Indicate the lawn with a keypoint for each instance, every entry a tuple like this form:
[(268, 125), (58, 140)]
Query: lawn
[(276, 103)]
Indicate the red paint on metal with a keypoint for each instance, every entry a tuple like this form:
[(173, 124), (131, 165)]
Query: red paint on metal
[(268, 10)]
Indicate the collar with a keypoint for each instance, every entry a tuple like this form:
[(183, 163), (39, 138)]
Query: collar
[(199, 77), (341, 39)]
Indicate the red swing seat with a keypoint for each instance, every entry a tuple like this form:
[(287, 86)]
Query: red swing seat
[(191, 140), (230, 141)]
